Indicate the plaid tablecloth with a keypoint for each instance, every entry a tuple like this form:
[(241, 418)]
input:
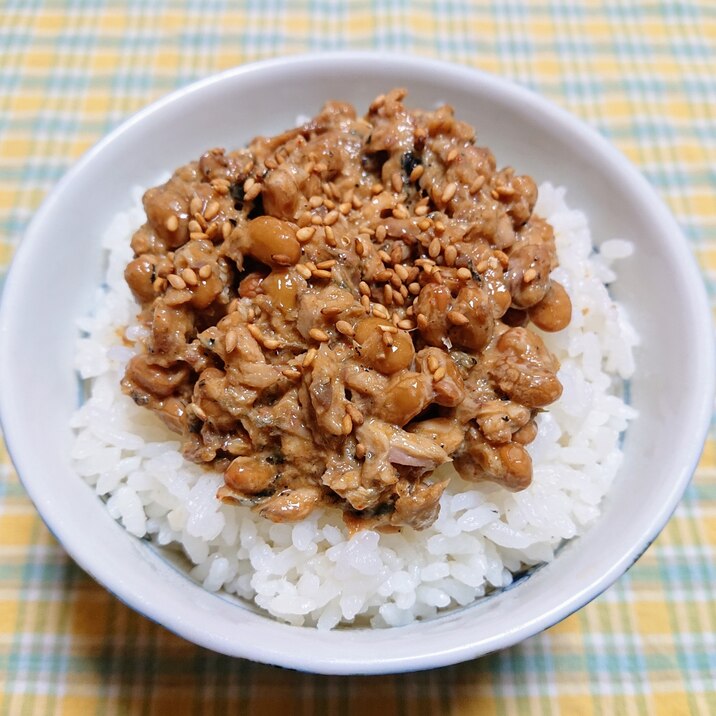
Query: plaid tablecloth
[(643, 72)]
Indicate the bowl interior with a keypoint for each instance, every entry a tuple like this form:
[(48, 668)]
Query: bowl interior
[(57, 269)]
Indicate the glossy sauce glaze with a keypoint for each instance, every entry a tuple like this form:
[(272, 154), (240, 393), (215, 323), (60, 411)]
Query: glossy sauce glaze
[(336, 311)]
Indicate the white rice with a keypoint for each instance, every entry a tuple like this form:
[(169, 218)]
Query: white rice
[(310, 573)]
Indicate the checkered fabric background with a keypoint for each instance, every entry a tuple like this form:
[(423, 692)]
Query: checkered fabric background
[(642, 72)]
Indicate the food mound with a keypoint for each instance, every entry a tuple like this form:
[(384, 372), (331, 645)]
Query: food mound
[(334, 312)]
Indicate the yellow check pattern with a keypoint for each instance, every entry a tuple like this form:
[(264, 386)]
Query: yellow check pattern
[(642, 72)]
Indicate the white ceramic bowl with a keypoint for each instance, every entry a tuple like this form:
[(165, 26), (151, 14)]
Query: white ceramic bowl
[(56, 270)]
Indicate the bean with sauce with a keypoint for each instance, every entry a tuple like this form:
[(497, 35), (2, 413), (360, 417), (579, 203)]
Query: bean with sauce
[(335, 311)]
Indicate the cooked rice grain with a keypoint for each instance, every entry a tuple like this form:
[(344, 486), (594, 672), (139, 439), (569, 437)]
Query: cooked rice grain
[(310, 573)]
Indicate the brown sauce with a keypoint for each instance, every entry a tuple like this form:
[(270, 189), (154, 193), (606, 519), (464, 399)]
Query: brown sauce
[(336, 311)]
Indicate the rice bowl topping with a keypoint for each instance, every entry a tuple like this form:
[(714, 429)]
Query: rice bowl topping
[(316, 569)]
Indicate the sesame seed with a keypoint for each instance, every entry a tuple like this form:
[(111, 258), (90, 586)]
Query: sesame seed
[(400, 212), (355, 414), (439, 374), (281, 259), (211, 210), (331, 311), (422, 321), (195, 205), (365, 302), (318, 335), (330, 218), (477, 184), (439, 226), (457, 318), (384, 275), (448, 192), (347, 424), (309, 357), (345, 208), (194, 225), (396, 281), (329, 236), (481, 267), (197, 235), (230, 340), (380, 311), (464, 274), (376, 189), (435, 248), (189, 276), (494, 194), (249, 183), (226, 230), (388, 339), (303, 271), (305, 234), (330, 263), (406, 324), (360, 451), (436, 276), (271, 344), (159, 284), (320, 273), (172, 223), (357, 203), (432, 363), (417, 172), (252, 193), (421, 210), (291, 373), (198, 412), (364, 288), (425, 224), (414, 288), (450, 255), (317, 220), (388, 293), (502, 257), (530, 275), (401, 271), (315, 201), (176, 281), (397, 181), (345, 328), (452, 155), (384, 256), (360, 249), (381, 232), (403, 291)]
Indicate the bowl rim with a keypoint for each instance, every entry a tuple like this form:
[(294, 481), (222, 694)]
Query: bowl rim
[(468, 648)]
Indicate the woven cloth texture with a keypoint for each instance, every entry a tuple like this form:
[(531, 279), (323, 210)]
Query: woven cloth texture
[(643, 73)]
